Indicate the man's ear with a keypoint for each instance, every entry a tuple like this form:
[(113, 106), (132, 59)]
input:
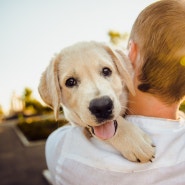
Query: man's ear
[(132, 52), (49, 88)]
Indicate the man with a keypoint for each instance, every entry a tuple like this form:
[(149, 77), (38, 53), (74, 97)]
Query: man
[(157, 52)]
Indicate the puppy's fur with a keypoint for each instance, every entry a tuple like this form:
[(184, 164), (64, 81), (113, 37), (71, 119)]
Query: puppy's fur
[(90, 81)]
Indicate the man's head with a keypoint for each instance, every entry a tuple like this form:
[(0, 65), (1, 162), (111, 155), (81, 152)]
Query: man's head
[(157, 50)]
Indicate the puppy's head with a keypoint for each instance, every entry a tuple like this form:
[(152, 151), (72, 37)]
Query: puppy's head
[(90, 81)]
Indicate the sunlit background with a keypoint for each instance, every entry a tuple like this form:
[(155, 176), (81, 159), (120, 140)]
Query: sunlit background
[(32, 31)]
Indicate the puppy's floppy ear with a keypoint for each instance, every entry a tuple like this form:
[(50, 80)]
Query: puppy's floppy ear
[(123, 66), (49, 88)]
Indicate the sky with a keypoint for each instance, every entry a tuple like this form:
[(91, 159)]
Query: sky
[(32, 31)]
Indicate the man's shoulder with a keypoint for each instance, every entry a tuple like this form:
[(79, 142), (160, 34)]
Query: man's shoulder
[(181, 114), (64, 132)]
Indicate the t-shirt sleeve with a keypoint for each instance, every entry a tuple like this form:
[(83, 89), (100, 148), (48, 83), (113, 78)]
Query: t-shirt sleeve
[(53, 147)]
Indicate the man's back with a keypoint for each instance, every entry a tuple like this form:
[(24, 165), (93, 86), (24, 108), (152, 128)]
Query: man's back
[(75, 160)]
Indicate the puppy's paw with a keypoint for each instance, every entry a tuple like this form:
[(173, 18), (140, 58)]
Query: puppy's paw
[(139, 147), (134, 144)]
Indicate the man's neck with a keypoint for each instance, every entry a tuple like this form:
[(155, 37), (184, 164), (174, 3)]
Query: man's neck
[(145, 104)]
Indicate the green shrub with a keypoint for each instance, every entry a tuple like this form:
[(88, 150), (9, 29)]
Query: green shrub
[(182, 107), (39, 130)]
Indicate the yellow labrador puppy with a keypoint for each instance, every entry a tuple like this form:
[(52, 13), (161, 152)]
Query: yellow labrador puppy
[(90, 81)]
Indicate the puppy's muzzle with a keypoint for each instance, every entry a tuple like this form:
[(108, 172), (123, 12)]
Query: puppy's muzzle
[(101, 108)]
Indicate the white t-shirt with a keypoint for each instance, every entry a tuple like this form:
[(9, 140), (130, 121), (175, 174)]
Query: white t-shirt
[(74, 160)]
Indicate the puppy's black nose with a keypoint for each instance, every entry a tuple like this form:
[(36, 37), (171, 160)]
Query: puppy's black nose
[(101, 108)]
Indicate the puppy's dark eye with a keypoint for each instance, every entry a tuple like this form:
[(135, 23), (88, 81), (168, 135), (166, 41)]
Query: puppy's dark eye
[(106, 71), (71, 82)]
